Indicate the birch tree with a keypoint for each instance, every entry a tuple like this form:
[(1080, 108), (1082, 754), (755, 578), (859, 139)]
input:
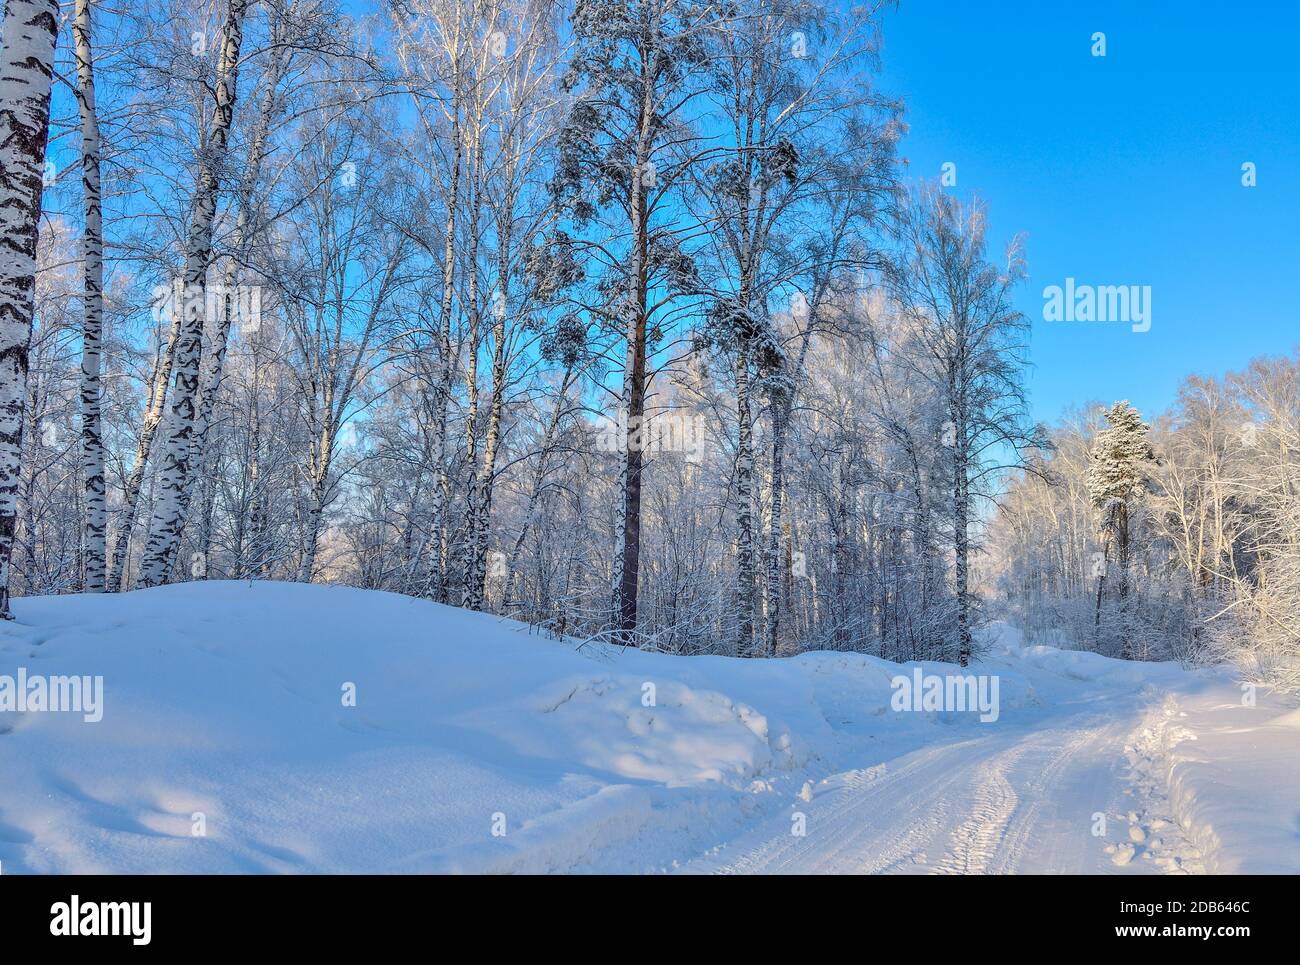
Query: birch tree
[(26, 68), (339, 301), (443, 49), (155, 406), (971, 348), (176, 457), (92, 460), (520, 118)]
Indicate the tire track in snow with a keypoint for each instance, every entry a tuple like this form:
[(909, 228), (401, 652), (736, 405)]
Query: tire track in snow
[(845, 831), (1041, 784), (976, 841), (1012, 801)]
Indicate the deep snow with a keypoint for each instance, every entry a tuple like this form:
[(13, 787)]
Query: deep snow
[(224, 711)]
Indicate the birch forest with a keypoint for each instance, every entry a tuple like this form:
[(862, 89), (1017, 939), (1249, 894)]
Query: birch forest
[(625, 319)]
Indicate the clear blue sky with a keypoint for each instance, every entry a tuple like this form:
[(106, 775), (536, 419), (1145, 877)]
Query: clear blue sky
[(1123, 169)]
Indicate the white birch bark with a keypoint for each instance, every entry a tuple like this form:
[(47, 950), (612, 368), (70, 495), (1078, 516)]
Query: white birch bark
[(442, 389), (745, 588), (174, 468), (468, 596), (92, 443), (144, 446), (26, 68), (481, 506), (214, 360)]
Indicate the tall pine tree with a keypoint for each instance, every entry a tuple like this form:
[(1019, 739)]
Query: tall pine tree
[(1117, 478), (622, 154)]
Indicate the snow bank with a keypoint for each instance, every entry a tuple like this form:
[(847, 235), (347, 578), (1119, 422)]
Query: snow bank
[(230, 739), (1094, 668), (272, 727), (1231, 772)]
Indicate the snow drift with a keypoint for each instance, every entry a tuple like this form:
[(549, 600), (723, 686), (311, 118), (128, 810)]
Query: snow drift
[(271, 727)]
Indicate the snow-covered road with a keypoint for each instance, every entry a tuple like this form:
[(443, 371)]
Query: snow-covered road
[(1116, 768), (1017, 800)]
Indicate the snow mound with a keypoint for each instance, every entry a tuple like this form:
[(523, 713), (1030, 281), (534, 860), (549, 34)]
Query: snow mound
[(1228, 775), (286, 728), (644, 728), (278, 727), (1083, 665), (1289, 719)]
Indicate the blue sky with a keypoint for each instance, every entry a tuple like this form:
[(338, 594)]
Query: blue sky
[(1122, 170)]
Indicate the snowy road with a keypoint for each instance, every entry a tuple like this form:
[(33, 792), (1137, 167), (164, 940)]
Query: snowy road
[(1023, 799)]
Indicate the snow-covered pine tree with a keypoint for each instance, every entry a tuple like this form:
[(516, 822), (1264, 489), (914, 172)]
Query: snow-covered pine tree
[(1117, 478), (26, 68)]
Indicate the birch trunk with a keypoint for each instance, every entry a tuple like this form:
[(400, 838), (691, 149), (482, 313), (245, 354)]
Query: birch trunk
[(481, 507), (782, 408), (92, 443), (26, 69), (214, 362), (481, 515), (466, 548), (174, 470), (311, 535), (442, 390), (628, 556), (318, 463), (144, 446), (772, 593), (248, 562), (745, 582), (961, 533), (922, 548)]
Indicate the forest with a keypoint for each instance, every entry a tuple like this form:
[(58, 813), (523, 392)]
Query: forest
[(622, 318)]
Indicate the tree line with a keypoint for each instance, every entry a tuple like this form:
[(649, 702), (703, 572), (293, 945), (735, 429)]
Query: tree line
[(618, 318), (1177, 538)]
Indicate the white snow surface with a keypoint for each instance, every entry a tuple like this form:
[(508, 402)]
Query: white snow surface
[(223, 711)]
